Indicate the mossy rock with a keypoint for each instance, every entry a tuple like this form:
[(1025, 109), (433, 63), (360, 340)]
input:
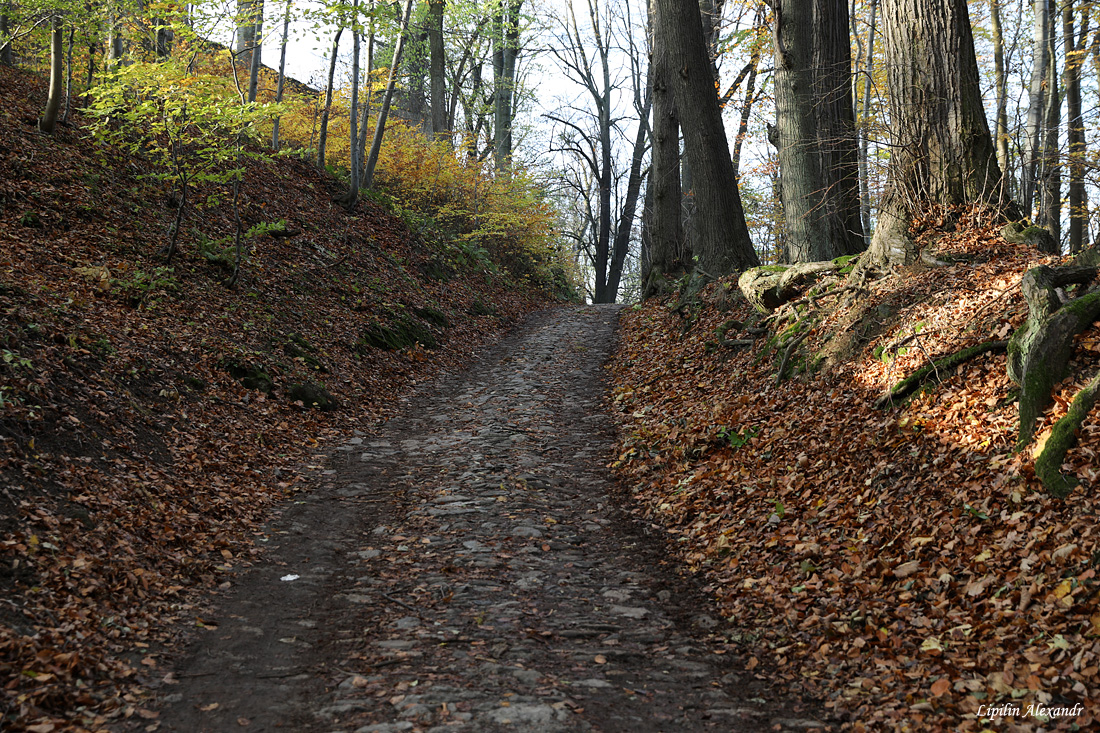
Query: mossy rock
[(431, 315), (1019, 232), (400, 333), (312, 395), (297, 347), (477, 308), (195, 383), (249, 375)]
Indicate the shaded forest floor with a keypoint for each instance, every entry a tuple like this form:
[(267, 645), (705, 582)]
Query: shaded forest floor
[(151, 418), (903, 564)]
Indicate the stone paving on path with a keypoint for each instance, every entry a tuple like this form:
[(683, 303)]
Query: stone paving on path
[(466, 568)]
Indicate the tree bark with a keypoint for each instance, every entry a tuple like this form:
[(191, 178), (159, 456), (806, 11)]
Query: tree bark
[(254, 54), (1075, 130), (437, 70), (5, 46), (505, 54), (865, 127), (322, 137), (48, 121), (353, 114), (943, 151), (817, 145), (1040, 61), (724, 245), (1049, 215), (1000, 87), (282, 76), (387, 99)]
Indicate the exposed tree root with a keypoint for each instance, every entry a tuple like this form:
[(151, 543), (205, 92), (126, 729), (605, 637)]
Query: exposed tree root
[(1063, 436), (1039, 351), (926, 373)]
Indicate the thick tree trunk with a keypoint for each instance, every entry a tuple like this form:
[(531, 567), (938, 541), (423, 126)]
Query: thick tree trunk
[(437, 71), (943, 151), (816, 130), (665, 230), (48, 122), (724, 245), (505, 54)]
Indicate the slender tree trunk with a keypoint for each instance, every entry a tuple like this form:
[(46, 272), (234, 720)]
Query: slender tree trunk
[(322, 137), (1040, 61), (364, 118), (942, 149), (1000, 87), (1075, 131), (48, 122), (724, 245), (282, 75), (437, 69), (630, 207), (387, 99), (353, 113), (254, 55), (1050, 172), (865, 128), (69, 75), (746, 111), (113, 45)]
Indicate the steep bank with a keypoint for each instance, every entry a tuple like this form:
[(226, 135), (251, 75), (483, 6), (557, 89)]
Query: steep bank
[(902, 563), (151, 417)]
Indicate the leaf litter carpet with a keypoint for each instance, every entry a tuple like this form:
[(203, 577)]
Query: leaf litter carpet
[(469, 566)]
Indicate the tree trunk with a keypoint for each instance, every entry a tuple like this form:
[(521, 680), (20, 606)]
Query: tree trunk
[(724, 245), (322, 137), (1049, 215), (817, 147), (69, 75), (48, 122), (505, 53), (1040, 61), (943, 151), (282, 76), (353, 113), (254, 54), (665, 231), (387, 99), (438, 70), (1000, 87), (1075, 131), (5, 48), (865, 137)]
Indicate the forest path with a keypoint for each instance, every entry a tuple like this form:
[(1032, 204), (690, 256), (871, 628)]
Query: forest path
[(466, 569)]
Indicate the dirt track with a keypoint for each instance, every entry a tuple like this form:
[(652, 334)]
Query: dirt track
[(465, 568)]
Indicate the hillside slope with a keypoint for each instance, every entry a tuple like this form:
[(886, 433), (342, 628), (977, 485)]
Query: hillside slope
[(902, 564), (151, 418)]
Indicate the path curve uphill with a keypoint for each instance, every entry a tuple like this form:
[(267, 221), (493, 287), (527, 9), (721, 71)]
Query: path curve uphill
[(464, 568)]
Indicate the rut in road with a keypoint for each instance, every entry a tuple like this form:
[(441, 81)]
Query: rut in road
[(466, 568)]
